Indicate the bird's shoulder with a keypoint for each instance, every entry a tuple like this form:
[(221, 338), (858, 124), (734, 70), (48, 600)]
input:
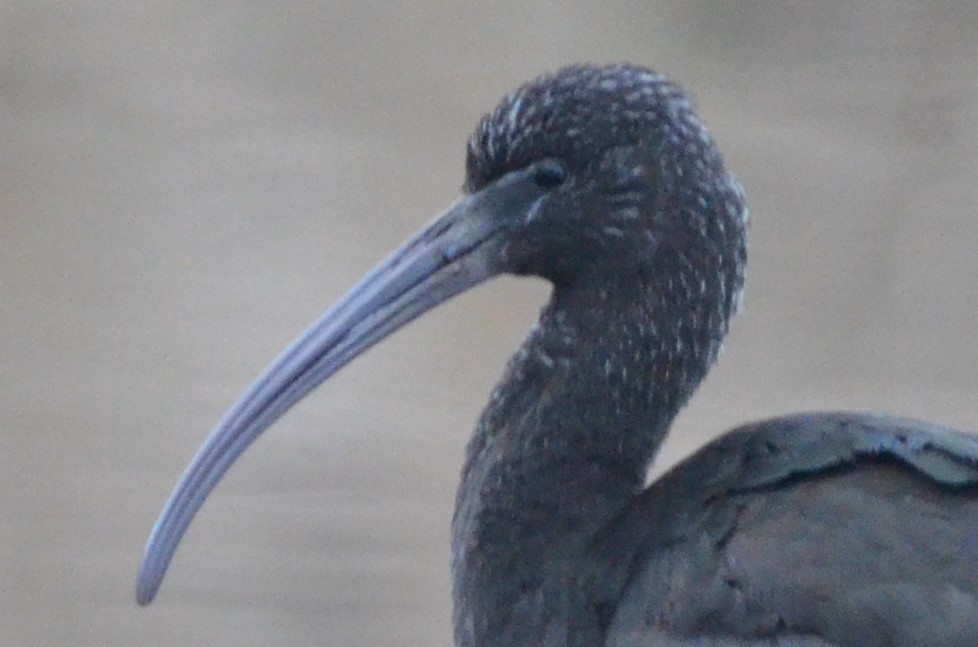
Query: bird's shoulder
[(767, 452), (855, 529)]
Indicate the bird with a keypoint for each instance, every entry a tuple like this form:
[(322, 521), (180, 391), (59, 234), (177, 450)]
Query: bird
[(821, 529)]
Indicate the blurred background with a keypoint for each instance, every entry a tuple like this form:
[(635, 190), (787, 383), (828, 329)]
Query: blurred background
[(185, 186)]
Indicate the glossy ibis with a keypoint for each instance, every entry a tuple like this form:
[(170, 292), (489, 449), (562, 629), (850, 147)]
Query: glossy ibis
[(839, 529)]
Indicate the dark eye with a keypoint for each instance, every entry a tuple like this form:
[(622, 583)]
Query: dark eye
[(549, 174)]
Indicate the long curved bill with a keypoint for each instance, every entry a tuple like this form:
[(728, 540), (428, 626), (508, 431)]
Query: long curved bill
[(457, 251)]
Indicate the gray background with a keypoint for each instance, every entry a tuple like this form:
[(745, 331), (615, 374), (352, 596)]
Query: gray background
[(184, 188)]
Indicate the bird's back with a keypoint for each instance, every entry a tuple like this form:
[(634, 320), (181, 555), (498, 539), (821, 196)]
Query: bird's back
[(812, 530)]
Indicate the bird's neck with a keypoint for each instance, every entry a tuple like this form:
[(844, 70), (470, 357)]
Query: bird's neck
[(567, 438)]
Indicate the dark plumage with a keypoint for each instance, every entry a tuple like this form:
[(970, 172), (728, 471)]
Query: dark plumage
[(829, 529)]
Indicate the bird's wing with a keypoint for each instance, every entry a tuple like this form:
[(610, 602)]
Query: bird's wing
[(851, 529)]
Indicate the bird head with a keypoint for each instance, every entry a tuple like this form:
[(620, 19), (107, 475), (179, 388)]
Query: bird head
[(592, 174)]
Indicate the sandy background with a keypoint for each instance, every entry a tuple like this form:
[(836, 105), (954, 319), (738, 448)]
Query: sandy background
[(184, 188)]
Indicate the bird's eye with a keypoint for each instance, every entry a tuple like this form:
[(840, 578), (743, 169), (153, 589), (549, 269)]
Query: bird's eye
[(549, 174)]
